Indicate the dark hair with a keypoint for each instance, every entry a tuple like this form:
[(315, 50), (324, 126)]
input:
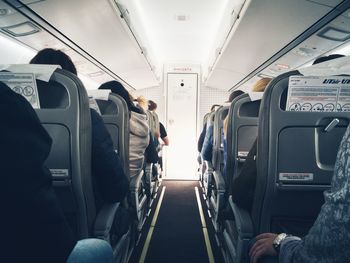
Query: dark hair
[(326, 58), (152, 105), (55, 57), (117, 88), (235, 94)]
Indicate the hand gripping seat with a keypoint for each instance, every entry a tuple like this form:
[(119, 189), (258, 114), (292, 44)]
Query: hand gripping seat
[(115, 115), (296, 152), (217, 190), (242, 130)]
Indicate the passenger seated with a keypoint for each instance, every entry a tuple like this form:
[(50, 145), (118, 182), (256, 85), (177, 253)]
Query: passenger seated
[(154, 122), (203, 132), (34, 228), (139, 145), (243, 185), (207, 149), (109, 179), (329, 238)]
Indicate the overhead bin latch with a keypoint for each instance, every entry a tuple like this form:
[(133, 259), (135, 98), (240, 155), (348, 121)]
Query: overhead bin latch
[(332, 125)]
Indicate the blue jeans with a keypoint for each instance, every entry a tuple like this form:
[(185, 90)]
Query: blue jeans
[(91, 250), (266, 259)]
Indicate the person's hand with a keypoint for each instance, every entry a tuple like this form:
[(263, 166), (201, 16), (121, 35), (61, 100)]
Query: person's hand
[(262, 247)]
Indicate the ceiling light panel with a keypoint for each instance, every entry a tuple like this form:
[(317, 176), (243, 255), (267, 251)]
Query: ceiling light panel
[(22, 29)]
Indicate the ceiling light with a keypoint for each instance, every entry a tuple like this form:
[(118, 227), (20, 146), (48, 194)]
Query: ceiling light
[(22, 29), (332, 33), (262, 75), (282, 66), (96, 74)]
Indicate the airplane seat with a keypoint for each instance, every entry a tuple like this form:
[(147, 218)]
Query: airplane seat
[(201, 164), (208, 172), (241, 133), (67, 119), (296, 152), (301, 150), (217, 195), (115, 115)]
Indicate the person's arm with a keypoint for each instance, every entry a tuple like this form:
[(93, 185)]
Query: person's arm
[(163, 134), (201, 138), (166, 141), (207, 149), (112, 183)]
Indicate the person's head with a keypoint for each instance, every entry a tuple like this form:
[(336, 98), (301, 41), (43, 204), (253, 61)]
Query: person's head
[(326, 58), (261, 84), (142, 102), (51, 56), (152, 106), (117, 88), (235, 94)]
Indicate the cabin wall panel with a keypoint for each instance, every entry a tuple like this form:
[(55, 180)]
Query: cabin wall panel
[(208, 97)]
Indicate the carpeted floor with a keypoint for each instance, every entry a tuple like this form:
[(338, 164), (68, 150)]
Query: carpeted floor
[(178, 235)]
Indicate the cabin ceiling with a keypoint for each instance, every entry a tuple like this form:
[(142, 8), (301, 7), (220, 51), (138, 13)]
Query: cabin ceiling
[(228, 38)]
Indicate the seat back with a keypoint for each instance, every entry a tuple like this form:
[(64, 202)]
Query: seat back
[(295, 159), (66, 116), (115, 115), (218, 143), (242, 130)]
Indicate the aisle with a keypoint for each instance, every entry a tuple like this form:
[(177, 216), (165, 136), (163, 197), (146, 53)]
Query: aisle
[(176, 233)]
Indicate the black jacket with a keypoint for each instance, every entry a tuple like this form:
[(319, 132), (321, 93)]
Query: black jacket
[(109, 180), (33, 227), (243, 186)]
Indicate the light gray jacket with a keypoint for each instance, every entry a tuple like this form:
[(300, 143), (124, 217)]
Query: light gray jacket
[(139, 140)]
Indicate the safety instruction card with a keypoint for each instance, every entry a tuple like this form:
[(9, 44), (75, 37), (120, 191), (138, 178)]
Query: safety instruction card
[(322, 94), (24, 84)]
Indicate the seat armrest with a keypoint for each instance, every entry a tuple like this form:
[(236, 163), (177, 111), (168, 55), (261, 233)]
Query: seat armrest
[(243, 221), (219, 181), (104, 221)]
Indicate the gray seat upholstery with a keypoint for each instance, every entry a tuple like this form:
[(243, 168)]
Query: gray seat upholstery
[(218, 186), (295, 159), (68, 121), (293, 143), (208, 173), (115, 115), (65, 115), (241, 132)]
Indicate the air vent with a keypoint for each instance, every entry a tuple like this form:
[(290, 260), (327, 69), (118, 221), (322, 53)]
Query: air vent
[(5, 12), (182, 18), (22, 29)]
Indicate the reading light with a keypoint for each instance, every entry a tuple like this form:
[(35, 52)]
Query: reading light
[(333, 33), (22, 29)]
